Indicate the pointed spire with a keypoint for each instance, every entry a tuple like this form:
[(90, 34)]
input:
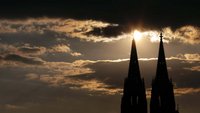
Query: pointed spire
[(161, 65), (161, 36), (134, 96), (133, 64)]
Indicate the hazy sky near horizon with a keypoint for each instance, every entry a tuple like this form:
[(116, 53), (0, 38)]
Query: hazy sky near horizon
[(72, 57)]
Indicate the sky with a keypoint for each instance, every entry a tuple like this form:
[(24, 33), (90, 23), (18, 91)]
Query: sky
[(72, 56)]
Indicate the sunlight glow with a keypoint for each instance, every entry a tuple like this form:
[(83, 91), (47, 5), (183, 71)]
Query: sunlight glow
[(137, 35), (151, 35)]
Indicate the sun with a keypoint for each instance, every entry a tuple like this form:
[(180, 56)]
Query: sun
[(137, 35)]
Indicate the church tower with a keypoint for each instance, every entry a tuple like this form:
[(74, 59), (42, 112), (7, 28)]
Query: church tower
[(134, 96), (162, 94)]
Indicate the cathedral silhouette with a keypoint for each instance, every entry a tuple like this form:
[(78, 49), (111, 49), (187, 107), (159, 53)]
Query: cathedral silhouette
[(162, 94)]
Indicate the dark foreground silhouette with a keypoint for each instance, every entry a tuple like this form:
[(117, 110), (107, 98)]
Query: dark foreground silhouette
[(162, 94)]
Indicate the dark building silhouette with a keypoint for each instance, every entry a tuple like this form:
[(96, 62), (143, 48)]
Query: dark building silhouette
[(134, 96), (162, 94)]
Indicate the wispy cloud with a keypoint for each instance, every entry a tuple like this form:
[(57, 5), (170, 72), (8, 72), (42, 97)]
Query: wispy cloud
[(184, 91), (61, 48), (28, 50), (40, 66), (34, 51), (68, 27), (185, 34), (178, 91), (195, 57), (194, 68), (23, 59), (189, 58), (91, 85), (82, 29), (12, 107), (59, 74)]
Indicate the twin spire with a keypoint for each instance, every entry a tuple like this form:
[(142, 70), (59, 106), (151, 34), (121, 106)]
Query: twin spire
[(134, 95), (161, 64), (134, 70)]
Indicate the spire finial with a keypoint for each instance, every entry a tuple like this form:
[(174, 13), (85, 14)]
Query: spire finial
[(161, 36)]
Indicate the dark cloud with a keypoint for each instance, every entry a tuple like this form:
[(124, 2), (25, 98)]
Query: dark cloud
[(182, 75), (110, 31), (32, 50), (33, 38), (29, 50), (23, 59), (43, 89), (152, 13)]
